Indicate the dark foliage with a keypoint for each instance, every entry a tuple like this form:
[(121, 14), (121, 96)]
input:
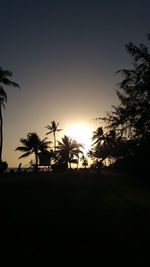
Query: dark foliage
[(3, 166), (130, 120), (5, 76), (33, 144)]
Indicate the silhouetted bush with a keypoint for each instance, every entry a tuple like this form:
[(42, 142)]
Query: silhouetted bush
[(59, 167), (3, 166)]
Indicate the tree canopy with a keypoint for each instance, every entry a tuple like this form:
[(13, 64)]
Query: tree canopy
[(5, 76), (33, 144), (131, 118)]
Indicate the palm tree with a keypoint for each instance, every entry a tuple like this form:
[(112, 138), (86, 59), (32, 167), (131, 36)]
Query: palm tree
[(106, 146), (77, 151), (53, 129), (68, 149), (98, 135), (33, 144), (3, 99), (84, 161), (4, 80)]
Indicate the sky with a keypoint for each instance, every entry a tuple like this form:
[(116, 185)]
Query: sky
[(64, 55)]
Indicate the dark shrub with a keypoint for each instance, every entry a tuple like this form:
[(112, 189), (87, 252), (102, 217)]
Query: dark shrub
[(3, 166), (59, 167)]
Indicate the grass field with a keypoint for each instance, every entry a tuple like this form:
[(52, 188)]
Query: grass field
[(72, 216)]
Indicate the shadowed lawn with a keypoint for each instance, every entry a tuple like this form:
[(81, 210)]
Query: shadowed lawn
[(54, 214)]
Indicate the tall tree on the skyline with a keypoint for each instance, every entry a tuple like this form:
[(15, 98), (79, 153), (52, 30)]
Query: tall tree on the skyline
[(53, 128), (33, 144), (4, 81), (132, 116), (134, 94)]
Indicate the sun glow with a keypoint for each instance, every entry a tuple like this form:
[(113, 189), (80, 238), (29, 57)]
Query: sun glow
[(82, 134)]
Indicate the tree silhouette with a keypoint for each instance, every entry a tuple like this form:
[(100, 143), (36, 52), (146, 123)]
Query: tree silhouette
[(68, 149), (53, 128), (99, 150), (33, 144), (98, 135), (132, 116), (84, 161), (134, 94), (107, 146), (4, 81)]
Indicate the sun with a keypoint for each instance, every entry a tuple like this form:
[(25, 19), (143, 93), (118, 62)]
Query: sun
[(82, 134)]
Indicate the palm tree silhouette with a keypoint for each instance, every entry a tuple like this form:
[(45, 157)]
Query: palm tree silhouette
[(68, 148), (84, 161), (53, 129), (106, 145), (33, 144), (4, 80), (3, 100), (98, 135)]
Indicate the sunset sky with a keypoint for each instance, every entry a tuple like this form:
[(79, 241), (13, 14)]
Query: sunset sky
[(64, 55)]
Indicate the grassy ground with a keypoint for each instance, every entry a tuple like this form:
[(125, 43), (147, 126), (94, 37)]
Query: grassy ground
[(72, 216)]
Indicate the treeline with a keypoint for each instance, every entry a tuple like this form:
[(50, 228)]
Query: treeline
[(127, 138)]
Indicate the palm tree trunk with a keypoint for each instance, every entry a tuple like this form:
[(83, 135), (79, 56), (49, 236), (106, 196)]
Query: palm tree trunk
[(67, 161), (78, 162), (36, 161), (54, 141), (1, 132)]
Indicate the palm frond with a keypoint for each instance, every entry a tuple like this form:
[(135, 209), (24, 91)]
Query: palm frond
[(22, 148), (25, 155), (24, 141), (5, 73), (3, 94), (9, 83), (49, 132)]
